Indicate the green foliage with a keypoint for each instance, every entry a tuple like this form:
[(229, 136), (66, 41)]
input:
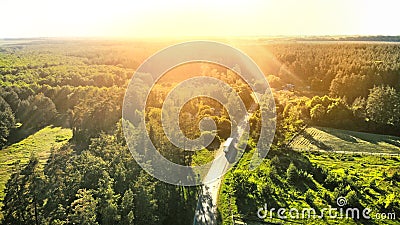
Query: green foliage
[(102, 184), (202, 157), (292, 114), (345, 70), (244, 191), (36, 112), (359, 108), (83, 208), (309, 195), (292, 174), (351, 86), (41, 143), (99, 105), (24, 195), (7, 121), (333, 112), (352, 199), (383, 105), (127, 207), (318, 113), (10, 96)]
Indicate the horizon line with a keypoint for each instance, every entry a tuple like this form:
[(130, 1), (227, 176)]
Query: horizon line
[(199, 36)]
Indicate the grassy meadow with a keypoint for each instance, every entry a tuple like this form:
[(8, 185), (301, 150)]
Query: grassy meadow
[(330, 139), (39, 143)]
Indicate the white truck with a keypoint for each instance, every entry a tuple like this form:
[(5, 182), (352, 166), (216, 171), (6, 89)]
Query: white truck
[(228, 144)]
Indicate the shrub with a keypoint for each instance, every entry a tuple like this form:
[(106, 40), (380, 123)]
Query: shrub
[(309, 196), (292, 174)]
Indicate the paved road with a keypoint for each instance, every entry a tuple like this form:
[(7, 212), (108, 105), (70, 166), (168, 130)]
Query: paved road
[(207, 205), (206, 210)]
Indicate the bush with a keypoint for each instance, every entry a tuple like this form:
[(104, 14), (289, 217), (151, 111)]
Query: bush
[(327, 196), (352, 199), (331, 181), (292, 174), (309, 196)]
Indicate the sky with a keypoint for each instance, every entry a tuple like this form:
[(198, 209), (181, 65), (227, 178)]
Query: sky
[(150, 18)]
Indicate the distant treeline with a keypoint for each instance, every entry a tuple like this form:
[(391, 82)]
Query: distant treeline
[(378, 38)]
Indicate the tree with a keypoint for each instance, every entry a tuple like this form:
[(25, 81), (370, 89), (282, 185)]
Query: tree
[(11, 98), (13, 199), (61, 186), (292, 174), (22, 110), (7, 121), (127, 208), (107, 203), (310, 197), (329, 111), (318, 113), (352, 199), (359, 108), (99, 111), (224, 127), (383, 105), (350, 87), (339, 114), (145, 197), (42, 109), (84, 208), (37, 111), (23, 198)]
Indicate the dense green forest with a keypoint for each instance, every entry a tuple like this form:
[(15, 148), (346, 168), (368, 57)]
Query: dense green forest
[(93, 179)]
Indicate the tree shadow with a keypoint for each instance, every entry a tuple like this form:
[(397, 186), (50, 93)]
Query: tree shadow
[(352, 136), (319, 144), (206, 212), (339, 134), (19, 134)]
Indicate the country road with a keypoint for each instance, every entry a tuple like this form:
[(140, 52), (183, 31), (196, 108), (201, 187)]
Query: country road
[(206, 210)]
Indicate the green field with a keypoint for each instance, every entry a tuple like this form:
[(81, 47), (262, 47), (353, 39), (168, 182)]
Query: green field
[(329, 139), (366, 181), (366, 168), (40, 142)]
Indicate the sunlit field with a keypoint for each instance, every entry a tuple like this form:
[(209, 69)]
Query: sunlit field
[(334, 140)]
